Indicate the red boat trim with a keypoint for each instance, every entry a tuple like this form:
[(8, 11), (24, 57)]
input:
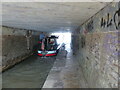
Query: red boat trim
[(40, 54), (39, 42), (51, 54)]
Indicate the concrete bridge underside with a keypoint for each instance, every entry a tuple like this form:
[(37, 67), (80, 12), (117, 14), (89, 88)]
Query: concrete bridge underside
[(92, 61)]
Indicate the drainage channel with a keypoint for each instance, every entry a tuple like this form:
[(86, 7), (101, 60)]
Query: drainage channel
[(31, 73)]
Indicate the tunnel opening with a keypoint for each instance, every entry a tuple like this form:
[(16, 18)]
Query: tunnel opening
[(34, 66), (64, 37), (90, 58)]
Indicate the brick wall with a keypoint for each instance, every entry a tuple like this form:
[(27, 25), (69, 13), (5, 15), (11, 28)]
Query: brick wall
[(99, 48)]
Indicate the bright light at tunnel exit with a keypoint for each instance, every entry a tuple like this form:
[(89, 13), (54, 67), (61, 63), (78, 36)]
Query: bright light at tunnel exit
[(63, 37)]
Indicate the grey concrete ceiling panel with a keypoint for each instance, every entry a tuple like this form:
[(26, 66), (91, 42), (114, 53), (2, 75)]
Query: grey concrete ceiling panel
[(51, 16)]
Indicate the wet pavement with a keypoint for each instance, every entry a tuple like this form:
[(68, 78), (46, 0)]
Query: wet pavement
[(66, 72), (31, 73)]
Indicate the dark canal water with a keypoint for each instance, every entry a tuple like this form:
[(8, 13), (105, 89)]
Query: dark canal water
[(30, 73)]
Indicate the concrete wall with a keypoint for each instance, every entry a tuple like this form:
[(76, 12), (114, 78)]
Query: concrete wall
[(75, 41), (17, 44), (0, 48), (99, 48)]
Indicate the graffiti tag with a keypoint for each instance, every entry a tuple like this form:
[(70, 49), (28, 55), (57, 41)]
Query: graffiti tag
[(89, 26), (111, 20), (117, 13)]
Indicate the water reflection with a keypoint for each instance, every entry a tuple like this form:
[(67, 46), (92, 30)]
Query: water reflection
[(31, 73)]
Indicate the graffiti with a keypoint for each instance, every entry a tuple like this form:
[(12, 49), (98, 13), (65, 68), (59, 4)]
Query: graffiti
[(111, 20), (89, 26), (85, 32), (106, 23), (110, 44), (117, 13), (103, 22)]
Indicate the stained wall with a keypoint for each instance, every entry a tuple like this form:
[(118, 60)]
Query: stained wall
[(99, 47)]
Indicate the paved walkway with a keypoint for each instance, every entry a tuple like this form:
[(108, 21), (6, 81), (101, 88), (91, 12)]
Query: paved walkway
[(65, 73)]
